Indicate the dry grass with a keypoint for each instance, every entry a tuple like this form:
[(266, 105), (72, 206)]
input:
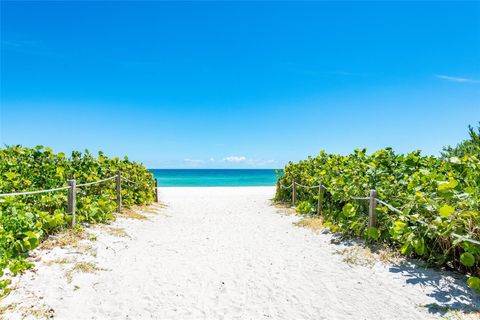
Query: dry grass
[(67, 237), (132, 214), (357, 255), (451, 313), (57, 261), (42, 312), (368, 256), (461, 315), (113, 231), (284, 208), (86, 248), (281, 205), (287, 212), (82, 267), (386, 254), (117, 232), (312, 223), (141, 212), (7, 308), (71, 238), (152, 208)]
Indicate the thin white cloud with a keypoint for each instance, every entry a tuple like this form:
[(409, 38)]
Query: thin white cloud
[(235, 159), (229, 161), (456, 79), (260, 163), (194, 162)]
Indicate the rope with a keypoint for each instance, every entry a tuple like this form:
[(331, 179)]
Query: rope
[(31, 192), (459, 236), (301, 185), (54, 189), (455, 235), (465, 238), (360, 198), (94, 182), (128, 180), (282, 186), (389, 206)]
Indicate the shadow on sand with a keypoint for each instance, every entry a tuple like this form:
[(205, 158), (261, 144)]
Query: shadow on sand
[(450, 289)]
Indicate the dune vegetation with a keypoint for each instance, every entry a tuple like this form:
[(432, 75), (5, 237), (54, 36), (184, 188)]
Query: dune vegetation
[(437, 197), (26, 220)]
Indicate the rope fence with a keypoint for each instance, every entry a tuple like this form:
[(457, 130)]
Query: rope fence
[(31, 192), (95, 182), (463, 238), (286, 187), (372, 216), (389, 206), (72, 186), (360, 198), (128, 180), (308, 187)]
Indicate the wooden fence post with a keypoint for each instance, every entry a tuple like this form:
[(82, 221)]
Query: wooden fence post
[(320, 199), (119, 191), (293, 193), (372, 213), (156, 190), (72, 200)]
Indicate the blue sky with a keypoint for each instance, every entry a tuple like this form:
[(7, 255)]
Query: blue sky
[(238, 85)]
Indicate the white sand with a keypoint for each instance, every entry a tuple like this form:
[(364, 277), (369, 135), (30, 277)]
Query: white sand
[(225, 253)]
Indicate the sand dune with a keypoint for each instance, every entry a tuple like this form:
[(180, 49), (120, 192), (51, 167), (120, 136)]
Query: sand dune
[(223, 253)]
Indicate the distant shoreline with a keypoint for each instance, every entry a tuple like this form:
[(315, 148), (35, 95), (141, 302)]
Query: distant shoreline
[(212, 187), (215, 177)]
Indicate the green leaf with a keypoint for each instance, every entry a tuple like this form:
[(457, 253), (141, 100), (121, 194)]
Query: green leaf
[(10, 175), (399, 226), (446, 211), (467, 259), (444, 186), (470, 247), (419, 245), (60, 171), (373, 233), (349, 210), (474, 283), (406, 249)]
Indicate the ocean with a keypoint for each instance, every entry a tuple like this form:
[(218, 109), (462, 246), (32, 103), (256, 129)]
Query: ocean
[(214, 177)]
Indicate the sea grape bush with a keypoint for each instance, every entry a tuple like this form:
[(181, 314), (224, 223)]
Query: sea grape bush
[(467, 147), (26, 220), (442, 192)]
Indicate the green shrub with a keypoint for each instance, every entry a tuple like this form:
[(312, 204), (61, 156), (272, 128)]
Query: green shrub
[(305, 207), (26, 220), (443, 193)]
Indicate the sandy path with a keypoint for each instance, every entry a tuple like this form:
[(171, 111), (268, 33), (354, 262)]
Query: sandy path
[(225, 253)]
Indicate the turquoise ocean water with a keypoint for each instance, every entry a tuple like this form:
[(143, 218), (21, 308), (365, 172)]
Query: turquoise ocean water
[(214, 177)]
